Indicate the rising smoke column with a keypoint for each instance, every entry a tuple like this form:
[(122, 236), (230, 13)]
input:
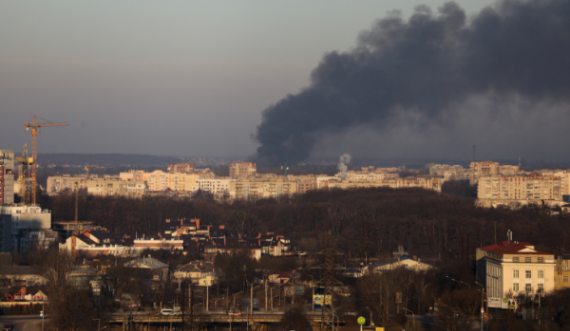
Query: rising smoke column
[(427, 65), (343, 162)]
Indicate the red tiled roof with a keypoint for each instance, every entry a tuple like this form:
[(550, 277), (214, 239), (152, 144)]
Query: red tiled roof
[(506, 247)]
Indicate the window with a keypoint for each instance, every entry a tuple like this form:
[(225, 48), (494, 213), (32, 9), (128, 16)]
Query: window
[(528, 288), (565, 279), (515, 274), (540, 288), (540, 260), (540, 273), (528, 274), (527, 260), (516, 259)]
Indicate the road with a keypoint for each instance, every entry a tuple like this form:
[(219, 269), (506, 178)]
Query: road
[(31, 323)]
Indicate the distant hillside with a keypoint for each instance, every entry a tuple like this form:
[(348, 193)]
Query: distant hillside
[(107, 159)]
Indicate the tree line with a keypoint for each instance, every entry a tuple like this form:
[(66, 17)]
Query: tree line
[(426, 223)]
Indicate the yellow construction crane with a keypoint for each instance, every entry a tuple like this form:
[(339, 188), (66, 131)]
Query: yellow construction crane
[(35, 126), (23, 178), (87, 167)]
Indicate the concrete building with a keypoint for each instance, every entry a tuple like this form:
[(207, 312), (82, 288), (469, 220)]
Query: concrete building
[(512, 268), (27, 217), (181, 168), (158, 242), (219, 187), (95, 185), (6, 177), (482, 169), (449, 172), (519, 190), (5, 233), (242, 170), (161, 181), (29, 226), (115, 186), (36, 239), (254, 188), (426, 182), (369, 174), (562, 272)]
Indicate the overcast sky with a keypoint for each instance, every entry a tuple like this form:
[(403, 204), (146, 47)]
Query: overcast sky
[(183, 78)]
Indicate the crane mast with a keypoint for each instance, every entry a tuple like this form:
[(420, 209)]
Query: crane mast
[(35, 126), (24, 177)]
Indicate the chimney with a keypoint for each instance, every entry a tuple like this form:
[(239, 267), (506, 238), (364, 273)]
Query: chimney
[(168, 220), (224, 240), (181, 222), (222, 227), (239, 236), (259, 235), (160, 235), (415, 258)]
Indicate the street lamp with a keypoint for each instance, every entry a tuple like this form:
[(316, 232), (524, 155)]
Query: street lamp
[(482, 303), (458, 281)]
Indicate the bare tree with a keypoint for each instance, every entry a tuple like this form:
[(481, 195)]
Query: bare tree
[(378, 293)]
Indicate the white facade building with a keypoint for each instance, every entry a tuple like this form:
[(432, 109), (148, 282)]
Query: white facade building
[(507, 269)]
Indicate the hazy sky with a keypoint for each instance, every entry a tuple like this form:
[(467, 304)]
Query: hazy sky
[(182, 78)]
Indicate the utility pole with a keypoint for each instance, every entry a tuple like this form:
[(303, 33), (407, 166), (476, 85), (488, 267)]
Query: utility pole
[(207, 295), (266, 294)]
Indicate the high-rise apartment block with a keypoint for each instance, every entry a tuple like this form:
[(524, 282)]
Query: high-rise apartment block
[(482, 169), (242, 170), (520, 189), (6, 177)]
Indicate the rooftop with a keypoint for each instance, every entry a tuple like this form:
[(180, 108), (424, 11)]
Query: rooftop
[(513, 247)]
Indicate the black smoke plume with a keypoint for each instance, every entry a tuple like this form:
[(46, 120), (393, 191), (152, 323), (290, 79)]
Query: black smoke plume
[(426, 65)]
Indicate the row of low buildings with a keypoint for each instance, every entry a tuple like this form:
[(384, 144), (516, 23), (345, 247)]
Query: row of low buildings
[(243, 182), (179, 235)]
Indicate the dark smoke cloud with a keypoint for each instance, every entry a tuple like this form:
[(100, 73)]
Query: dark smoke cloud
[(426, 66)]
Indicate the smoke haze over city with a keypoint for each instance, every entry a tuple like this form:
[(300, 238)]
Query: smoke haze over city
[(430, 77), (284, 82)]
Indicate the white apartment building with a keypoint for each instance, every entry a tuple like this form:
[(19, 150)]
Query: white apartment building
[(6, 176), (254, 189), (216, 186), (160, 181), (511, 268)]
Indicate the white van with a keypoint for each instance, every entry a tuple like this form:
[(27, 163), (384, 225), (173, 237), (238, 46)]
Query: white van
[(167, 312)]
